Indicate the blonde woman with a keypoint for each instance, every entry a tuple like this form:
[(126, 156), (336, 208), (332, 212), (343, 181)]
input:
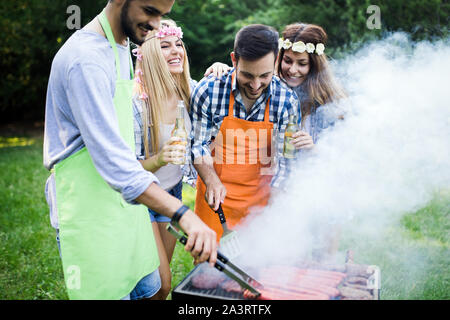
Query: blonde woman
[(162, 79)]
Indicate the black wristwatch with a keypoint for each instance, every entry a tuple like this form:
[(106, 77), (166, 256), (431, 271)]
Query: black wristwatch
[(178, 214)]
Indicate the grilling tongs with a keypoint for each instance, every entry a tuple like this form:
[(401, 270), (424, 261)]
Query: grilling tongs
[(244, 280)]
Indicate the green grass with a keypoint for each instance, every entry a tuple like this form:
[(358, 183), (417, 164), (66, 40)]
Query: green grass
[(414, 256), (29, 266)]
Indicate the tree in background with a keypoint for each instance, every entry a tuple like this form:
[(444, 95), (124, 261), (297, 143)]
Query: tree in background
[(209, 28), (345, 21), (212, 24), (32, 31)]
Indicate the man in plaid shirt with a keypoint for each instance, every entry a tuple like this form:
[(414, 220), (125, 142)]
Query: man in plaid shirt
[(251, 99)]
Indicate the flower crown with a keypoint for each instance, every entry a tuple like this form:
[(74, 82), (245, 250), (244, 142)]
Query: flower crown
[(301, 47), (163, 32), (166, 31)]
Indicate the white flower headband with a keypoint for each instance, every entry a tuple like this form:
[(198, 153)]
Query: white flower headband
[(301, 47)]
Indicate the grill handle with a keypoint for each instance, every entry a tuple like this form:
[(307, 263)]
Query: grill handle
[(223, 220), (221, 214)]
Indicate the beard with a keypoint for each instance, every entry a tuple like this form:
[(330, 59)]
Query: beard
[(127, 25), (249, 95), (246, 91)]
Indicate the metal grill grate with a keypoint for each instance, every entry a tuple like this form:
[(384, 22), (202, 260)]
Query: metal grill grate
[(186, 291)]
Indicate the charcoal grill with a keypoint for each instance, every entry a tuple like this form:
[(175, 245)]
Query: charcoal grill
[(185, 290), (313, 281)]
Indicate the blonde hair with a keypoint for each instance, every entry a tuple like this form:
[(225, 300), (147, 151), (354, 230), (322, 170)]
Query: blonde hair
[(320, 83), (159, 85)]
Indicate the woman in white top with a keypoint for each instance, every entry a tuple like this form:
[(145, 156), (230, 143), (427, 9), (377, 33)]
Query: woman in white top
[(163, 79)]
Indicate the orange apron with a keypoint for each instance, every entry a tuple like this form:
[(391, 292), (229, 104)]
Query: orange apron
[(242, 160)]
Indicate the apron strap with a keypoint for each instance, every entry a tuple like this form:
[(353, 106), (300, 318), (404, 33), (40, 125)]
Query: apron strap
[(231, 104), (110, 36), (266, 113), (131, 61)]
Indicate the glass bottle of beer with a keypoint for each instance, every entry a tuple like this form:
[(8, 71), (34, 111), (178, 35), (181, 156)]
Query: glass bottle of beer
[(289, 148), (180, 130)]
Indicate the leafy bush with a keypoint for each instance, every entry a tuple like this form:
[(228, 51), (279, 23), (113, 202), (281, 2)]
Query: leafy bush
[(32, 31)]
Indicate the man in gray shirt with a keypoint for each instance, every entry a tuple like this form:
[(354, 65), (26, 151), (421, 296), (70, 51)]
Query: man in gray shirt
[(80, 114)]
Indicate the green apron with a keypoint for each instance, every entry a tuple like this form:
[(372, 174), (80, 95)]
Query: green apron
[(107, 245)]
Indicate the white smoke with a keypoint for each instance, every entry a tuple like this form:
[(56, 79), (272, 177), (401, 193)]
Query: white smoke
[(387, 157)]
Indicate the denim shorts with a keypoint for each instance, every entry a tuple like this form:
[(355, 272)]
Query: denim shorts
[(147, 287), (176, 191)]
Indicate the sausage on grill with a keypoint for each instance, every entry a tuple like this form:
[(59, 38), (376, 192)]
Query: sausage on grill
[(304, 287), (271, 293), (357, 280), (352, 293)]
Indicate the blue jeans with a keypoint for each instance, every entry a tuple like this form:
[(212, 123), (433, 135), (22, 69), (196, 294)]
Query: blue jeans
[(147, 287), (177, 192)]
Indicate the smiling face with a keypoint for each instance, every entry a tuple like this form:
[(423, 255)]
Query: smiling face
[(295, 67), (253, 77), (173, 52), (140, 16)]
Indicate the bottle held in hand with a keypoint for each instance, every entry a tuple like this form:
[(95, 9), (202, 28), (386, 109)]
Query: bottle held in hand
[(289, 148), (180, 130)]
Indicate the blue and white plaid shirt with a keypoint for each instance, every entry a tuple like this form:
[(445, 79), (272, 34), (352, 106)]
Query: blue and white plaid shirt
[(209, 106)]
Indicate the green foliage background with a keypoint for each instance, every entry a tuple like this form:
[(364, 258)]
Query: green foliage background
[(31, 32)]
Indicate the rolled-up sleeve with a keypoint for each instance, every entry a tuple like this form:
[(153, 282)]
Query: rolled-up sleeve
[(201, 121), (89, 92)]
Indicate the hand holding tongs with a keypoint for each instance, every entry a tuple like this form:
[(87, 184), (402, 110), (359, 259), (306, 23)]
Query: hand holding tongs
[(246, 282)]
